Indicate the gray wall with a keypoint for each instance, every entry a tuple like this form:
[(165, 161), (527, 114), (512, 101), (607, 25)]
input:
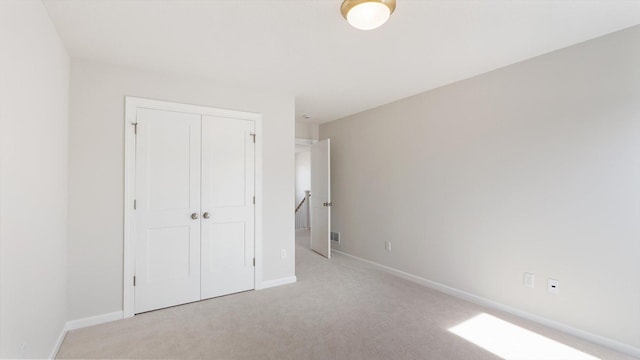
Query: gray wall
[(34, 106), (96, 174), (531, 168)]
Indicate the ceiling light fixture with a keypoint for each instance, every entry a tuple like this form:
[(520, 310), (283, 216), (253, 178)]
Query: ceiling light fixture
[(367, 14)]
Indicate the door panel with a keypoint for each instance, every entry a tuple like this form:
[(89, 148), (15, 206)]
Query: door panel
[(223, 241), (227, 195), (168, 141), (321, 198), (167, 193), (168, 253), (225, 162)]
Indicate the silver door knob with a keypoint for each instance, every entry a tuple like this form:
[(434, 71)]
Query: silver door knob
[(194, 216), (206, 215)]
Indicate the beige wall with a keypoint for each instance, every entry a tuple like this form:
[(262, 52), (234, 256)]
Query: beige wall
[(34, 105), (531, 168), (96, 174)]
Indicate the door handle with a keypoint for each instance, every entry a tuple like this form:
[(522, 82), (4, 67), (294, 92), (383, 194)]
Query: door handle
[(327, 204), (206, 215), (194, 216)]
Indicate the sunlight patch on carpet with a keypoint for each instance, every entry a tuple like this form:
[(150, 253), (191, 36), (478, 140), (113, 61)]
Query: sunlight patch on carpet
[(509, 341)]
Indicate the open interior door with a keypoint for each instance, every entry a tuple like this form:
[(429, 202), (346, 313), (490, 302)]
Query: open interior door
[(320, 200)]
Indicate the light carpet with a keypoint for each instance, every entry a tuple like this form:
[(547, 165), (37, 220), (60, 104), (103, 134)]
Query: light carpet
[(338, 309)]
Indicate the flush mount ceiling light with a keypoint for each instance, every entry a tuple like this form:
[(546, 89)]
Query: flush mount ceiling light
[(367, 14)]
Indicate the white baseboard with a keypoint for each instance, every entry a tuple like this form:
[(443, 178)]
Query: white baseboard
[(56, 346), (82, 323), (94, 320), (277, 282), (597, 339)]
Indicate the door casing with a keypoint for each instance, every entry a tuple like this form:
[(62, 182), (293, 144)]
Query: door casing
[(131, 106)]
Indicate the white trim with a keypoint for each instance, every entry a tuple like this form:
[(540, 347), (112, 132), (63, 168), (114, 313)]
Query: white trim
[(189, 108), (129, 192), (304, 144), (257, 239), (94, 320), (131, 106), (277, 282), (302, 141), (83, 323), (58, 344), (596, 339)]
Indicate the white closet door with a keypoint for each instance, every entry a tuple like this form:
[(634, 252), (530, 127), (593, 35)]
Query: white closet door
[(167, 221), (227, 200)]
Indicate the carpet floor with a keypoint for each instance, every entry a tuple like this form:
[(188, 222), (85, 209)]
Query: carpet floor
[(338, 309)]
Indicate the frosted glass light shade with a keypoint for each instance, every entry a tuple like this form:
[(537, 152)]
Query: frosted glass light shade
[(367, 14)]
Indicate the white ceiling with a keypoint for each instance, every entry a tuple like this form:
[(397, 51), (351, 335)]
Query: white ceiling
[(305, 48)]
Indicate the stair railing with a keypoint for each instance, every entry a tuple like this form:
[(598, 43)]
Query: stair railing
[(302, 212)]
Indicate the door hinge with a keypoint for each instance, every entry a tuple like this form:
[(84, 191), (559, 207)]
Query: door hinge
[(254, 200), (134, 280), (135, 128), (254, 137), (135, 203), (254, 261)]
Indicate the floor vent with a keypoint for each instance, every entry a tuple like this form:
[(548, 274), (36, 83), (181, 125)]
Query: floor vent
[(335, 236)]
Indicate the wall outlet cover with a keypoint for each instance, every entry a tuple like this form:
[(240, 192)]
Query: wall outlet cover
[(528, 280)]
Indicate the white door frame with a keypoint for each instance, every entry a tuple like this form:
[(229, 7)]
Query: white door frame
[(131, 106)]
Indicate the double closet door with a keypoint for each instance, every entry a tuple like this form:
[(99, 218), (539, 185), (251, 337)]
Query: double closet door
[(194, 213)]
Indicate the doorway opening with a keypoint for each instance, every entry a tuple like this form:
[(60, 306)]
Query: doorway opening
[(313, 195)]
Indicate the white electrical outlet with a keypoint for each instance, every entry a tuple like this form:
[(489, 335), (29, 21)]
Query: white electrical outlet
[(283, 254), (553, 286), (528, 280), (387, 245)]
